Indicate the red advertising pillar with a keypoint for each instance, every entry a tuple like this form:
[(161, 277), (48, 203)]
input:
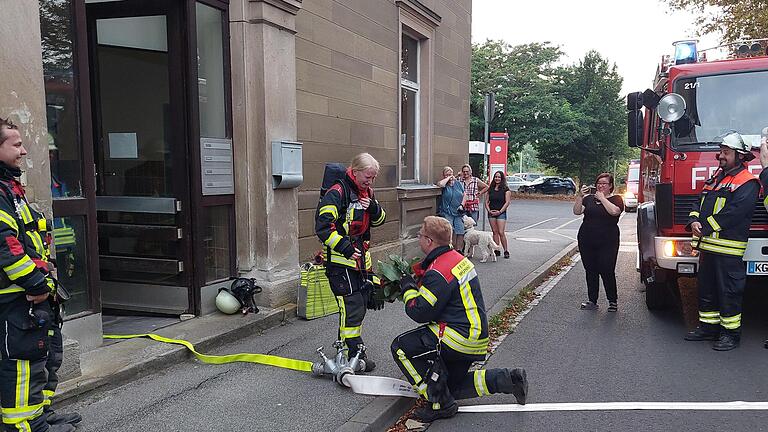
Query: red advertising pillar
[(497, 159)]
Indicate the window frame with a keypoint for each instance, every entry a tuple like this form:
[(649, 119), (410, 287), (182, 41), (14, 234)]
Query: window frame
[(408, 85)]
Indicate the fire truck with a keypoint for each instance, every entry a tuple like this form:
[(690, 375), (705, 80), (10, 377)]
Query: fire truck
[(695, 100)]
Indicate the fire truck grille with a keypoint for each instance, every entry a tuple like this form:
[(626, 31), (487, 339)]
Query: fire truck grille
[(684, 204)]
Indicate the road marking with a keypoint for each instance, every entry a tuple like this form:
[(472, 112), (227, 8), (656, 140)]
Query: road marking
[(567, 223), (531, 239), (619, 406), (533, 225)]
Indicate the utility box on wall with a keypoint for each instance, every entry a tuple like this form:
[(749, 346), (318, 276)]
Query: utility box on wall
[(287, 164)]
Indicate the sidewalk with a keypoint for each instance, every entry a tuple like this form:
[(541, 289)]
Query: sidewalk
[(120, 363)]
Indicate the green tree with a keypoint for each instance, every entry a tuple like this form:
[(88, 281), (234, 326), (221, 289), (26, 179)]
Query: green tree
[(523, 80), (592, 122), (737, 19)]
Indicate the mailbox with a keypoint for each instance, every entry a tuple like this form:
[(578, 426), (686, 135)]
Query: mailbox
[(287, 165)]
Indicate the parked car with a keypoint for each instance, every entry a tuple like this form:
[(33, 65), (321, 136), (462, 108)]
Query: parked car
[(515, 183), (633, 185), (529, 176), (550, 185)]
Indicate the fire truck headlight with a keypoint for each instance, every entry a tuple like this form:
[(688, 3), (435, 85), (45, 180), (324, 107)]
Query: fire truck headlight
[(679, 248)]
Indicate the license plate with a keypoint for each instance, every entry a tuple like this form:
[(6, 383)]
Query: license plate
[(757, 267)]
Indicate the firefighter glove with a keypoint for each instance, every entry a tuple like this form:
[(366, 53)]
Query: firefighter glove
[(407, 282)]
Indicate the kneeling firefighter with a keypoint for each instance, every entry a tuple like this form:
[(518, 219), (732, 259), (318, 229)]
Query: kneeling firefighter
[(31, 348), (345, 215), (436, 357)]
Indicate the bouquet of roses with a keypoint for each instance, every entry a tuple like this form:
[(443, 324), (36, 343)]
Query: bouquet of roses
[(390, 273)]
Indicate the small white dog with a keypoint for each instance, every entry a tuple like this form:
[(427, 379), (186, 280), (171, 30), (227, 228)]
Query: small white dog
[(482, 239)]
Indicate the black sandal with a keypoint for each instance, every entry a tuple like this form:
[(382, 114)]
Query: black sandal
[(506, 254)]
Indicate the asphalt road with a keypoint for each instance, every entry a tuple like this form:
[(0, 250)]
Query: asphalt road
[(634, 355), (193, 396)]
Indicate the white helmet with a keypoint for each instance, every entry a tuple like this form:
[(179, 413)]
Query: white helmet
[(735, 141), (227, 303)]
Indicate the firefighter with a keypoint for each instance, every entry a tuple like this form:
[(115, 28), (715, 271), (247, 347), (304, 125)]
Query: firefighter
[(436, 357), (26, 316), (720, 225), (764, 177), (343, 223)]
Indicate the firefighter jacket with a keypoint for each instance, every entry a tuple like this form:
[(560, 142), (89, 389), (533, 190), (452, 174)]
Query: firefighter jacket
[(342, 224), (449, 292), (725, 212)]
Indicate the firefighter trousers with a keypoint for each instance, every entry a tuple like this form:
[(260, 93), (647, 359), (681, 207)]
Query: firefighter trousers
[(415, 352), (55, 359), (348, 286), (721, 282), (21, 381)]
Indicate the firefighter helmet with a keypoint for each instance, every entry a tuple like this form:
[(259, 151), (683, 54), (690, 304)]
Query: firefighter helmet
[(735, 141), (227, 303)]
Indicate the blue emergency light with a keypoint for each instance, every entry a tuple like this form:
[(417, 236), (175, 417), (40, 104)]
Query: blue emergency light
[(685, 51)]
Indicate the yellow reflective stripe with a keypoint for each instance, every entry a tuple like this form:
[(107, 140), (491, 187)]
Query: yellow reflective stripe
[(26, 215), (333, 239), (465, 272), (64, 236), (711, 317), (713, 223), (380, 220), (330, 209), (410, 294), (732, 322), (459, 343), (694, 214), (19, 416), (265, 359), (49, 393), (9, 220), (412, 372), (480, 386), (20, 268), (337, 258), (427, 294), (37, 242), (725, 242), (342, 314), (719, 204), (22, 383), (12, 289), (765, 202), (721, 249), (350, 332), (368, 260)]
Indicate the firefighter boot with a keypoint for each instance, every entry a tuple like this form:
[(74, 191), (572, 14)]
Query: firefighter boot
[(426, 414), (72, 418), (513, 381), (728, 340), (704, 332)]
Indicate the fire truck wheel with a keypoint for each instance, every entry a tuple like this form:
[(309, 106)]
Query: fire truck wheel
[(658, 295)]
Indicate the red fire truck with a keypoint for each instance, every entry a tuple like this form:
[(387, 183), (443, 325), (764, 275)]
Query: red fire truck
[(695, 99)]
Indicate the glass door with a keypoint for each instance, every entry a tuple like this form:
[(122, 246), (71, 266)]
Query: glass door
[(140, 156)]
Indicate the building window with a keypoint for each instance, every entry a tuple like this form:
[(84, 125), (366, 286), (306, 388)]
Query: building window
[(409, 109), (210, 70)]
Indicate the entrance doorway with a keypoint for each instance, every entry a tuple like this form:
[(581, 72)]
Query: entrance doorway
[(141, 156)]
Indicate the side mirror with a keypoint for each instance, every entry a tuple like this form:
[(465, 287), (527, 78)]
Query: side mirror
[(635, 128)]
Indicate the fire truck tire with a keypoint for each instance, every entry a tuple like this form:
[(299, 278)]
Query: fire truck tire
[(658, 295)]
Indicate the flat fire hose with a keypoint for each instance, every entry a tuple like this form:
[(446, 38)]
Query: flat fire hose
[(361, 384), (269, 360)]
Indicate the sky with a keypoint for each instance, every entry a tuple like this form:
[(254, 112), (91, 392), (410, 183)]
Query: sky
[(634, 34)]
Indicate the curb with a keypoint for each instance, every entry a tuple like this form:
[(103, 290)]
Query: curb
[(384, 411), (71, 389)]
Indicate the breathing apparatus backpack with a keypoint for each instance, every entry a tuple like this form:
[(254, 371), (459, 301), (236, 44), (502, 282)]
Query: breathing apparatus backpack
[(238, 297)]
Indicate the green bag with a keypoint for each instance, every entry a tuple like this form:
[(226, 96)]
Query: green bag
[(315, 296)]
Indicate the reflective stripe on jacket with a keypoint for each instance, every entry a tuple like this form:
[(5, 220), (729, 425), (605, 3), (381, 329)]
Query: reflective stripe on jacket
[(725, 212), (449, 292), (342, 225)]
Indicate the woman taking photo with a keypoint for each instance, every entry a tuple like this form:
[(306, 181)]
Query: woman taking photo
[(599, 238), (473, 189), (452, 205), (499, 198)]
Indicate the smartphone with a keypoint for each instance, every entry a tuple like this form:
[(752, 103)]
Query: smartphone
[(592, 190)]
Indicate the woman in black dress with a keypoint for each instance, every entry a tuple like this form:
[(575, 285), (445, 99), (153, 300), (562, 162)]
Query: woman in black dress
[(599, 238)]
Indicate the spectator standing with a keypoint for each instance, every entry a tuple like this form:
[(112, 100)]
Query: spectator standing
[(599, 239), (474, 188), (452, 205), (499, 199)]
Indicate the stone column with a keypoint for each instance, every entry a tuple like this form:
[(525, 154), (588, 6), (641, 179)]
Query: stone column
[(22, 95), (264, 110)]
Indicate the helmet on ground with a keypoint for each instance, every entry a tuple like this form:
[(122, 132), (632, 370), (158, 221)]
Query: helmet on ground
[(735, 141), (227, 303)]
